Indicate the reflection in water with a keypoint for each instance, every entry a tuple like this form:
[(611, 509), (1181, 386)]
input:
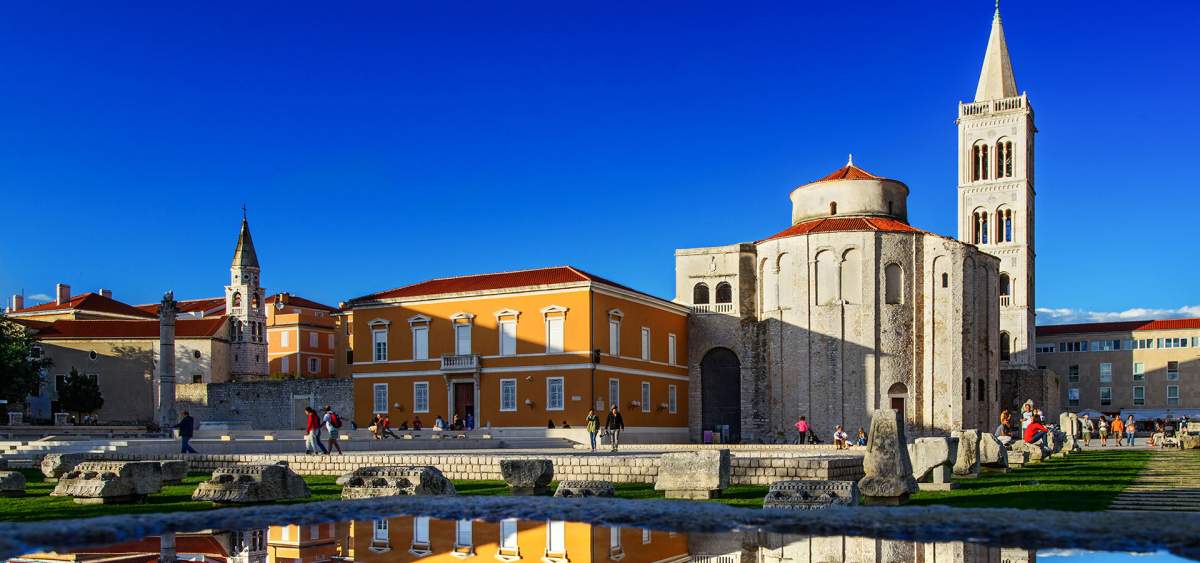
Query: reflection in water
[(429, 540)]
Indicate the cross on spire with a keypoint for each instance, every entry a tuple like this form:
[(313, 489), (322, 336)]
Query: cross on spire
[(243, 212)]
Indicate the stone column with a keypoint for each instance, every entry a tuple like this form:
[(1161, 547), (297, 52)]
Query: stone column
[(164, 398)]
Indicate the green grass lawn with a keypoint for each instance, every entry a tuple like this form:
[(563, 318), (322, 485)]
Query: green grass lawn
[(1084, 481)]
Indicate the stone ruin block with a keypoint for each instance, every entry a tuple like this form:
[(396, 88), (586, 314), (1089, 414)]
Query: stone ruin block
[(888, 471), (174, 471), (527, 476), (392, 481), (811, 495), (700, 474), (253, 483), (585, 489), (933, 461), (12, 484), (967, 462), (57, 465), (108, 482), (992, 454), (1033, 453)]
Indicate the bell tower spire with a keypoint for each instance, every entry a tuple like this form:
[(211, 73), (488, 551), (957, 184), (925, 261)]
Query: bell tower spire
[(245, 306), (996, 80)]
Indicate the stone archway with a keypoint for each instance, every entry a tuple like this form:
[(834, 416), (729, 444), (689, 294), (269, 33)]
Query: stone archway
[(897, 394), (721, 392)]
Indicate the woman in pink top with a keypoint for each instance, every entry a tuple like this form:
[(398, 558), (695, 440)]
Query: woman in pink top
[(802, 427)]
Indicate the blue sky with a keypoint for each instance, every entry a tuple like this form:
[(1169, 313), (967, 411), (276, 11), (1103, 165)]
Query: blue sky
[(381, 143)]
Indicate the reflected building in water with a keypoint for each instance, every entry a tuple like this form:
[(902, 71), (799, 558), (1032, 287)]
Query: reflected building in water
[(432, 540)]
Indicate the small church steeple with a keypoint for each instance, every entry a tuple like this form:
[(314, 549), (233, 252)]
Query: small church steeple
[(244, 304), (244, 255), (996, 79)]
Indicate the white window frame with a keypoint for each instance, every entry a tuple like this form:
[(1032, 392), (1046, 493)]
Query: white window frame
[(420, 342), (462, 346), (329, 340), (1134, 395), (1102, 390), (380, 531), (377, 407), (646, 343), (509, 549), (332, 366), (284, 364), (672, 359), (645, 536), (614, 384), (615, 551), (556, 537), (379, 355), (285, 338), (553, 347), (614, 337), (501, 327), (1073, 395), (420, 540), (513, 407), (1139, 371), (1170, 398), (1105, 372), (1172, 375), (313, 340), (672, 399), (314, 365), (416, 404), (464, 538), (645, 396), (562, 392)]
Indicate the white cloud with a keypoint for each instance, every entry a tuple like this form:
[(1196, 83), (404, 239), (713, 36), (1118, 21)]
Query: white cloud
[(38, 297), (1061, 315)]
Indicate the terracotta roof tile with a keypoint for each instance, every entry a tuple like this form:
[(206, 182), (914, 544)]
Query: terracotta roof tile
[(214, 305), (301, 302), (184, 328), (89, 302), (1120, 326), (850, 172), (500, 280), (843, 224)]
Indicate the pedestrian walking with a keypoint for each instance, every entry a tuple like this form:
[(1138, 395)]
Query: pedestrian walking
[(614, 424), (1130, 430), (593, 427), (1088, 428), (332, 423), (312, 433), (1103, 431), (802, 428), (187, 427), (1118, 430)]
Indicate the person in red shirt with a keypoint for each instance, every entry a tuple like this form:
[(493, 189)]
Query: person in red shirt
[(312, 432), (1035, 432)]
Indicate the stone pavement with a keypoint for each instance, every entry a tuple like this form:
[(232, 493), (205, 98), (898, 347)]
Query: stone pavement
[(1170, 482)]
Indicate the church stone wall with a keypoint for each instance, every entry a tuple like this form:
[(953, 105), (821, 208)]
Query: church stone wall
[(264, 405)]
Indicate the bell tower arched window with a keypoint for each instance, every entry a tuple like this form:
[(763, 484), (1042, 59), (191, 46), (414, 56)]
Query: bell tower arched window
[(1005, 290), (1005, 346), (724, 293), (700, 294), (1004, 158), (1004, 225), (979, 161)]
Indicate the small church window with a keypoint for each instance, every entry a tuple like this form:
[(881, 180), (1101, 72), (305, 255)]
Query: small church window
[(967, 389), (893, 284), (945, 280), (724, 293), (979, 161), (1004, 159), (700, 294), (983, 227), (255, 302), (833, 208), (1005, 347), (982, 390)]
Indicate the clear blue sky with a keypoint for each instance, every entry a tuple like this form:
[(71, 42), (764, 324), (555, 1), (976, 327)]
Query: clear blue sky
[(379, 144)]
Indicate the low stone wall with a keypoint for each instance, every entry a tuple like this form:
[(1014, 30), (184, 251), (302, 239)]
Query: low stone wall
[(630, 468), (264, 405)]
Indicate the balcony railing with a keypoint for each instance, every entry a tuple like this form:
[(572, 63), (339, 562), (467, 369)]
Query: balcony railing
[(460, 362), (992, 106), (713, 308), (1005, 300)]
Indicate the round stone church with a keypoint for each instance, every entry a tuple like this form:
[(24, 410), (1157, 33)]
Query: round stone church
[(848, 310)]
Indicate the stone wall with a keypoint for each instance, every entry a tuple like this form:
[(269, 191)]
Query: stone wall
[(615, 468), (264, 405), (1019, 385)]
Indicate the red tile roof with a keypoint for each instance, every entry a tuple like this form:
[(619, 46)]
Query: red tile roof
[(298, 301), (1121, 326), (843, 224), (190, 544), (89, 302), (184, 328), (213, 305), (850, 172), (501, 280)]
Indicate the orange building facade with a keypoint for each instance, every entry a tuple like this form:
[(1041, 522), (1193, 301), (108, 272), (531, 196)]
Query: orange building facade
[(515, 350), (301, 337)]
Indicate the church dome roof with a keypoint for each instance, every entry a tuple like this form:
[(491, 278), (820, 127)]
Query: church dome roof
[(849, 172), (850, 191)]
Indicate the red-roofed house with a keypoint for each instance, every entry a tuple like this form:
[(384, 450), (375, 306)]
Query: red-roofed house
[(1150, 369), (99, 305), (515, 350), (301, 337), (848, 310)]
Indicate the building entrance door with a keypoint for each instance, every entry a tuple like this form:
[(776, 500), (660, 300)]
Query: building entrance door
[(464, 399)]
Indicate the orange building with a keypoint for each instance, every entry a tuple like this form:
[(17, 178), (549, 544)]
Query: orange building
[(515, 350), (300, 337)]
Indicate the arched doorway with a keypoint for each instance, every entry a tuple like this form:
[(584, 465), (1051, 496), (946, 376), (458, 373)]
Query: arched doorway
[(721, 392), (896, 395)]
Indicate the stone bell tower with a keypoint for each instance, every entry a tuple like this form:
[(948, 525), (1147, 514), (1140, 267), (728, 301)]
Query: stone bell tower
[(246, 306), (996, 192)]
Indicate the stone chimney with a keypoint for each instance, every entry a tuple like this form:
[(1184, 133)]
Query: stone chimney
[(62, 293), (106, 293), (18, 302)]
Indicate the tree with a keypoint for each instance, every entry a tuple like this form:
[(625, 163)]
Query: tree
[(20, 365), (79, 394)]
